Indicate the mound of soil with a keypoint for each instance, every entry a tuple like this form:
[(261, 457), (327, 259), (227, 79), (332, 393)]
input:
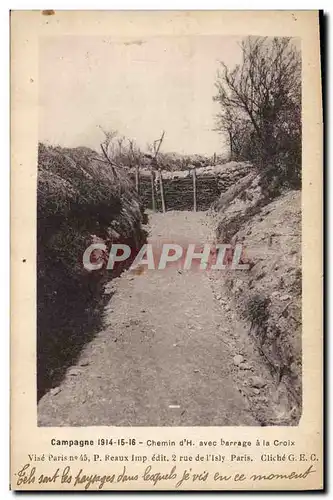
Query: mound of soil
[(268, 294), (81, 200)]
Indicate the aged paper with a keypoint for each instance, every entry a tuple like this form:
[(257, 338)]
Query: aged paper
[(135, 135)]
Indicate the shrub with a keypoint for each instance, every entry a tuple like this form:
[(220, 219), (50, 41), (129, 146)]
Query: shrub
[(260, 116)]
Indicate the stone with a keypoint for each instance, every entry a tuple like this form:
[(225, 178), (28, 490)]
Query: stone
[(238, 359), (73, 372), (285, 297), (245, 366), (257, 382)]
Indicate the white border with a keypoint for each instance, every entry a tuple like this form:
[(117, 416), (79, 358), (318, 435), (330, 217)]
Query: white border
[(4, 184)]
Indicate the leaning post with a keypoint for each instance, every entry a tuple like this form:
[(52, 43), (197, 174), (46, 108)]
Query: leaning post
[(153, 204), (194, 175), (162, 190), (137, 178)]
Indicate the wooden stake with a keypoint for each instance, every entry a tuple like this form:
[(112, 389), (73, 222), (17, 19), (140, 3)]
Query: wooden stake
[(137, 178), (154, 164), (157, 148), (194, 174), (162, 191), (135, 160), (152, 190)]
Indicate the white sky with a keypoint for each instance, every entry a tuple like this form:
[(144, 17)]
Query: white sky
[(138, 87)]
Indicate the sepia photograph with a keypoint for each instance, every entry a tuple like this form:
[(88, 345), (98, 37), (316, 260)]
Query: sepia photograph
[(166, 250), (169, 270)]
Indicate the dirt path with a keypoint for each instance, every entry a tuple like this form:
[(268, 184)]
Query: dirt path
[(163, 358)]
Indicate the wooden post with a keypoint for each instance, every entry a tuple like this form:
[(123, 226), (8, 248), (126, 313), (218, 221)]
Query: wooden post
[(154, 165), (214, 159), (162, 191), (152, 190), (137, 178), (194, 174)]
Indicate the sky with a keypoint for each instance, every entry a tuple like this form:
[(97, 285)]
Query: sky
[(138, 87)]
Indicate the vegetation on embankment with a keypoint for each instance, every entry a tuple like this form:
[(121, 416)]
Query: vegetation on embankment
[(260, 110), (81, 199), (268, 295), (260, 117)]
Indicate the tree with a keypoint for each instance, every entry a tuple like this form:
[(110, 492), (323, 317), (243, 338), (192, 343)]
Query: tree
[(237, 131), (260, 103)]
